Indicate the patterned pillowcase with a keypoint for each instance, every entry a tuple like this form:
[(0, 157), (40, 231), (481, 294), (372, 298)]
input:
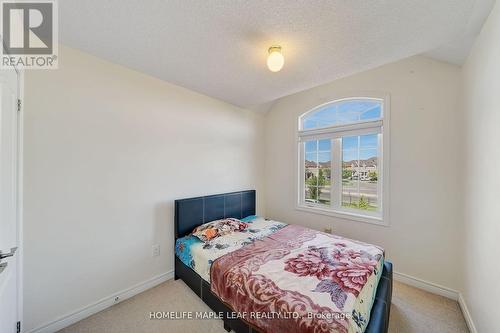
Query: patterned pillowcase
[(211, 230), (249, 219)]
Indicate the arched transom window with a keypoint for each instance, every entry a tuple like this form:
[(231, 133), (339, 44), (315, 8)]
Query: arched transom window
[(342, 155)]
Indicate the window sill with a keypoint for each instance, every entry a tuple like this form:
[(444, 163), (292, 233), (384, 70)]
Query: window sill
[(343, 215)]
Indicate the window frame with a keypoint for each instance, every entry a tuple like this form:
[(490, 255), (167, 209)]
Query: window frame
[(335, 133)]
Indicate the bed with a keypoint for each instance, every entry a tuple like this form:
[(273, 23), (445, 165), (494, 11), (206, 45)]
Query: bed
[(227, 279)]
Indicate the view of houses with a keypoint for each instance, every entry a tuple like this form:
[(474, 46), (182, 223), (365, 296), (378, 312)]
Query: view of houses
[(359, 183), (365, 170)]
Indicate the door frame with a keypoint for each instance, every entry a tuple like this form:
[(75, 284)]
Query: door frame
[(20, 196), (20, 193)]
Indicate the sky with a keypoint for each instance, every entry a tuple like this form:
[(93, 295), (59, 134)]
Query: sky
[(349, 111), (320, 150), (342, 113)]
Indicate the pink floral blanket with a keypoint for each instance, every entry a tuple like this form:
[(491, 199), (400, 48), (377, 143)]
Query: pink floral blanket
[(300, 280)]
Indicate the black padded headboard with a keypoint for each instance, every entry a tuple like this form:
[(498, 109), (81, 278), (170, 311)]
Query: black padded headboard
[(192, 212)]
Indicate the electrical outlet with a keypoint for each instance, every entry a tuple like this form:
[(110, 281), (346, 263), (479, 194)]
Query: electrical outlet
[(155, 250)]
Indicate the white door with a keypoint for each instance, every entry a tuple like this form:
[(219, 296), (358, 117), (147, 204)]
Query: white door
[(9, 231)]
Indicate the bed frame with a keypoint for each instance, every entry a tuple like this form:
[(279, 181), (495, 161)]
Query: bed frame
[(192, 212)]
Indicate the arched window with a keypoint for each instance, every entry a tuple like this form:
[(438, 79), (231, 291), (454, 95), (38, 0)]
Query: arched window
[(342, 153)]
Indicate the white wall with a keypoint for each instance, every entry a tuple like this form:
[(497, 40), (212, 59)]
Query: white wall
[(481, 158), (424, 234), (107, 150)]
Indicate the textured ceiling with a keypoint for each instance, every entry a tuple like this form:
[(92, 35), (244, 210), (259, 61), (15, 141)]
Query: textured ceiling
[(457, 50), (219, 47)]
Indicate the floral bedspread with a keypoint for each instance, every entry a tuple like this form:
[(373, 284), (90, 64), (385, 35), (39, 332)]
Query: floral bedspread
[(300, 280), (200, 256)]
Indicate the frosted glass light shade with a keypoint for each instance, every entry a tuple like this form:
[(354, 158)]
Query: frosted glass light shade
[(275, 60)]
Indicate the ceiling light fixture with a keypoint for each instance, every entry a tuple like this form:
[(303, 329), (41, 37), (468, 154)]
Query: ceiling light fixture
[(275, 59)]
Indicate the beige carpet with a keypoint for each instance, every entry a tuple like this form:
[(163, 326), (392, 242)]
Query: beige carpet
[(412, 310)]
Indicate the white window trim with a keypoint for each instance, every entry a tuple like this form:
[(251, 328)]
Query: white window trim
[(380, 126)]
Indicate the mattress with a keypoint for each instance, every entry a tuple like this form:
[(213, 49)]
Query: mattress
[(298, 259)]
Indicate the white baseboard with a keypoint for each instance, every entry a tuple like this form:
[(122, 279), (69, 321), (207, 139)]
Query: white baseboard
[(439, 290), (466, 313), (102, 304), (427, 286)]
